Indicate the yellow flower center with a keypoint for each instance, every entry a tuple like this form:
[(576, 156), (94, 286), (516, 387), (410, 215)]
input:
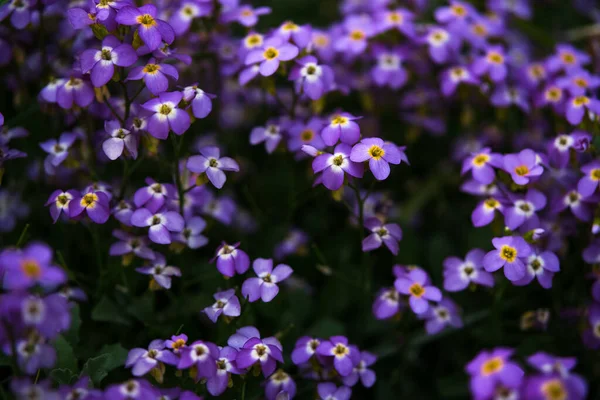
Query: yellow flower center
[(339, 120), (554, 390), (62, 199), (270, 53), (247, 13), (536, 71), (165, 109), (491, 204), (554, 94), (307, 135), (416, 290), (459, 10), (151, 69), (568, 58), (340, 350), (479, 30), (89, 199), (289, 26), (31, 268), (495, 58), (492, 366), (338, 160), (376, 152), (581, 101), (595, 174), (395, 17), (188, 11), (357, 34), (260, 350), (582, 83), (146, 20), (321, 41), (522, 170), (253, 40), (508, 253), (179, 343), (480, 160)]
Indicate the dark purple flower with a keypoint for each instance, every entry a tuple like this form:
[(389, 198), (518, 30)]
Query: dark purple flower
[(20, 12), (511, 253), (459, 274), (143, 360), (94, 203), (161, 223), (74, 91), (489, 369), (203, 356), (278, 382), (345, 356), (101, 63), (59, 202), (155, 76), (151, 30), (230, 259), (360, 371), (226, 303), (264, 352), (265, 286), (388, 234), (416, 285), (387, 303), (226, 365), (328, 391), (335, 165), (211, 163)]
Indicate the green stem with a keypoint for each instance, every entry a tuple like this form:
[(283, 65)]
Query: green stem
[(22, 237)]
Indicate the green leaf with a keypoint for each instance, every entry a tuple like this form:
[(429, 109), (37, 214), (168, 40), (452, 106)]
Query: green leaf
[(99, 31), (97, 368), (327, 327), (62, 376), (65, 358), (107, 311), (72, 335)]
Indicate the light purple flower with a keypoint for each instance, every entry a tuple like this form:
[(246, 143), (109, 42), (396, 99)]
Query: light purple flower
[(511, 253), (305, 348), (59, 202), (211, 163), (388, 234), (95, 203), (143, 360), (312, 78), (130, 244), (73, 91), (120, 139), (386, 304), (217, 384), (191, 235), (299, 34), (230, 259), (345, 356), (269, 134), (491, 368), (203, 356), (492, 63), (161, 223), (154, 196), (58, 150), (328, 391), (523, 211), (200, 100), (459, 274), (541, 266), (442, 44), (360, 371), (523, 166), (279, 382), (482, 165), (588, 185), (166, 115), (246, 15), (416, 285), (577, 107), (273, 52), (341, 126), (442, 315), (265, 352), (132, 389), (452, 77), (265, 286), (388, 70), (151, 30), (335, 165), (380, 155), (160, 271), (101, 63), (155, 75), (25, 268), (226, 303)]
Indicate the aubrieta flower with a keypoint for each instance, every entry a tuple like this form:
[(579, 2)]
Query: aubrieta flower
[(265, 352), (511, 253), (203, 356), (453, 77), (166, 115), (388, 234), (312, 78), (523, 166), (493, 63), (155, 75), (442, 44), (226, 303), (388, 71), (360, 371), (278, 382), (299, 34), (231, 259), (333, 166), (416, 285), (200, 100), (541, 266), (304, 349), (143, 360), (101, 63), (580, 207), (161, 223), (341, 127), (567, 58), (31, 266), (20, 12), (345, 356), (191, 235), (274, 51), (306, 134), (442, 315), (94, 203), (265, 286), (246, 15), (380, 155), (154, 196), (491, 368), (159, 270), (59, 202), (58, 149), (212, 164), (328, 391), (119, 140), (459, 274), (74, 91), (588, 185), (130, 244), (523, 211), (226, 365), (482, 164), (133, 389), (269, 134), (386, 304), (152, 31), (578, 106)]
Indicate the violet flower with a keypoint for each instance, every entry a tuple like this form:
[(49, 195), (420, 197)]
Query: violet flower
[(380, 155), (511, 253), (191, 235), (155, 76), (225, 366), (151, 30), (345, 356), (119, 140), (388, 234), (588, 185), (491, 368), (482, 165), (274, 50), (230, 259), (264, 352), (522, 166), (166, 115), (459, 274), (278, 382), (305, 348), (416, 285), (442, 315), (159, 270), (94, 203), (101, 63), (523, 211), (130, 244), (386, 304), (361, 372), (541, 266), (341, 126), (143, 360), (312, 78), (226, 303), (578, 106), (154, 196), (161, 223), (200, 100), (211, 163), (203, 356), (328, 391), (59, 202), (335, 165), (269, 134), (265, 286), (58, 149)]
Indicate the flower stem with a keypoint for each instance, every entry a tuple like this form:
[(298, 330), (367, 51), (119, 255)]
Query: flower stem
[(176, 149)]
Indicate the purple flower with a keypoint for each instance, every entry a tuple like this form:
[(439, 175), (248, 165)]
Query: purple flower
[(335, 165), (74, 91), (579, 82), (59, 202), (177, 342), (456, 15), (265, 286), (312, 79), (120, 139), (155, 76), (299, 34), (166, 115), (511, 253), (387, 304), (153, 196), (305, 348), (442, 315), (247, 16), (33, 354), (388, 234), (274, 50), (265, 352), (459, 274), (191, 235), (306, 134), (182, 19), (491, 368), (270, 134), (201, 101), (341, 126), (492, 63), (482, 165), (453, 77), (278, 382), (552, 386), (485, 211), (58, 150), (230, 259), (345, 356), (567, 58), (388, 71), (101, 63), (160, 271), (94, 203), (442, 44), (591, 336), (132, 389), (541, 266), (203, 356), (20, 12), (360, 371), (523, 211), (580, 207), (328, 391), (160, 223), (225, 366), (211, 163), (577, 107), (143, 360), (226, 303), (357, 30), (416, 285), (152, 31), (399, 19), (589, 183), (523, 166), (130, 244), (380, 155)]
